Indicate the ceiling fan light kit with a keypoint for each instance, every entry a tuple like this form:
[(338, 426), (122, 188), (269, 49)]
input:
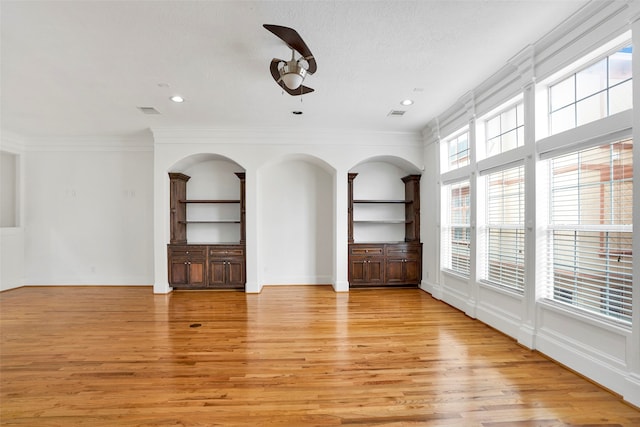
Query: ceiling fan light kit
[(292, 74), (289, 75)]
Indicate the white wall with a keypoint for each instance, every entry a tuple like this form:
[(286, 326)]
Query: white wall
[(88, 214), (378, 180), (296, 206), (213, 179)]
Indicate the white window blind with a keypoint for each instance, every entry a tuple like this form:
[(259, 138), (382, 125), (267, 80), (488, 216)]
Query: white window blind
[(590, 232), (456, 231), (505, 252)]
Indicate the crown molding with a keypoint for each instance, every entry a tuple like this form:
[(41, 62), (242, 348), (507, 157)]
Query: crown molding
[(12, 142), (90, 143), (283, 136)]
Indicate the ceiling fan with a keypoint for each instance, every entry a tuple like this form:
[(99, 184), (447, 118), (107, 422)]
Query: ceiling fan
[(290, 74)]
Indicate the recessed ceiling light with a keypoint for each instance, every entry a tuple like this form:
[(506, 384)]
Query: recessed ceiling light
[(406, 102), (177, 98), (297, 112)]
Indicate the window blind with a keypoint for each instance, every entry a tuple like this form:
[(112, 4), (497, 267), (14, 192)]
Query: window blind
[(590, 231), (505, 249), (456, 233)]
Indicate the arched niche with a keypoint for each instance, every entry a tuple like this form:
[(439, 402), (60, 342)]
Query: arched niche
[(380, 178), (296, 221), (211, 177), (402, 164), (187, 162)]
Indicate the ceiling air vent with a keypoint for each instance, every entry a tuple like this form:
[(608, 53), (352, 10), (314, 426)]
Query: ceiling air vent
[(148, 110), (396, 112)]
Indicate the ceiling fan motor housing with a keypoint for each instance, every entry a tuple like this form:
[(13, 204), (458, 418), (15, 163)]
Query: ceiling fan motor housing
[(292, 74)]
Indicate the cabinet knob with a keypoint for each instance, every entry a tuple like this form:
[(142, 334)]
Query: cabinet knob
[(187, 252)]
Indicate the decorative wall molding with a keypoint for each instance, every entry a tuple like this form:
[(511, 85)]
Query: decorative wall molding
[(90, 143), (285, 136), (524, 63), (12, 142)]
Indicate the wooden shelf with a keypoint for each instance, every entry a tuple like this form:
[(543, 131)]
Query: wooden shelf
[(211, 222), (383, 201), (209, 201), (381, 221)]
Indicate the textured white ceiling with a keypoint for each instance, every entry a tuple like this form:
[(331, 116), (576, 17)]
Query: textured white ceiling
[(72, 68)]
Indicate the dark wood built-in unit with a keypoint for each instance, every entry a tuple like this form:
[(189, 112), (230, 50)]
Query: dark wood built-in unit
[(387, 263), (204, 265)]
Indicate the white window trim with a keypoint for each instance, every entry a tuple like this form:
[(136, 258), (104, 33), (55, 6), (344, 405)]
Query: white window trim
[(542, 129)]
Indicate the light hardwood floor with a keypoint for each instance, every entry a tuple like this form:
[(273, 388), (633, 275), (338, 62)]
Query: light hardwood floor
[(290, 356)]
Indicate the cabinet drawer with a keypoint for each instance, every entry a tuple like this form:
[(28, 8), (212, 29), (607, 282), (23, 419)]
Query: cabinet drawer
[(366, 250), (186, 250), (226, 251), (403, 251)]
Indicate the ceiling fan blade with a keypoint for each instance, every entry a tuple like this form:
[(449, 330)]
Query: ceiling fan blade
[(295, 42), (295, 92), (275, 73)]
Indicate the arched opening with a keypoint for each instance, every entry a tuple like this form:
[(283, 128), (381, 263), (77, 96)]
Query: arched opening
[(296, 223)]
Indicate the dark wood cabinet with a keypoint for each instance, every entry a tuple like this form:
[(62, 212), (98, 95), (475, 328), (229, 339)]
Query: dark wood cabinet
[(204, 265), (366, 265), (403, 263), (187, 265), (177, 209), (387, 263), (227, 266)]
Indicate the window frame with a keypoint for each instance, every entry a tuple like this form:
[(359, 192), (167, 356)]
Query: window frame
[(601, 54), (445, 148), (581, 300)]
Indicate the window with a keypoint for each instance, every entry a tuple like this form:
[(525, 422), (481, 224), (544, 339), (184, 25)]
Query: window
[(458, 151), (456, 237), (505, 131), (504, 232), (8, 189), (597, 91), (590, 231)]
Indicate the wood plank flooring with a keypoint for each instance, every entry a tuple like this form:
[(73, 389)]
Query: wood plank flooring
[(290, 356)]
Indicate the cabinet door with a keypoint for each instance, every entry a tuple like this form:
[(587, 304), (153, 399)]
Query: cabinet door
[(412, 271), (217, 272), (235, 273), (357, 270), (196, 272), (178, 271), (395, 270), (375, 270)]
